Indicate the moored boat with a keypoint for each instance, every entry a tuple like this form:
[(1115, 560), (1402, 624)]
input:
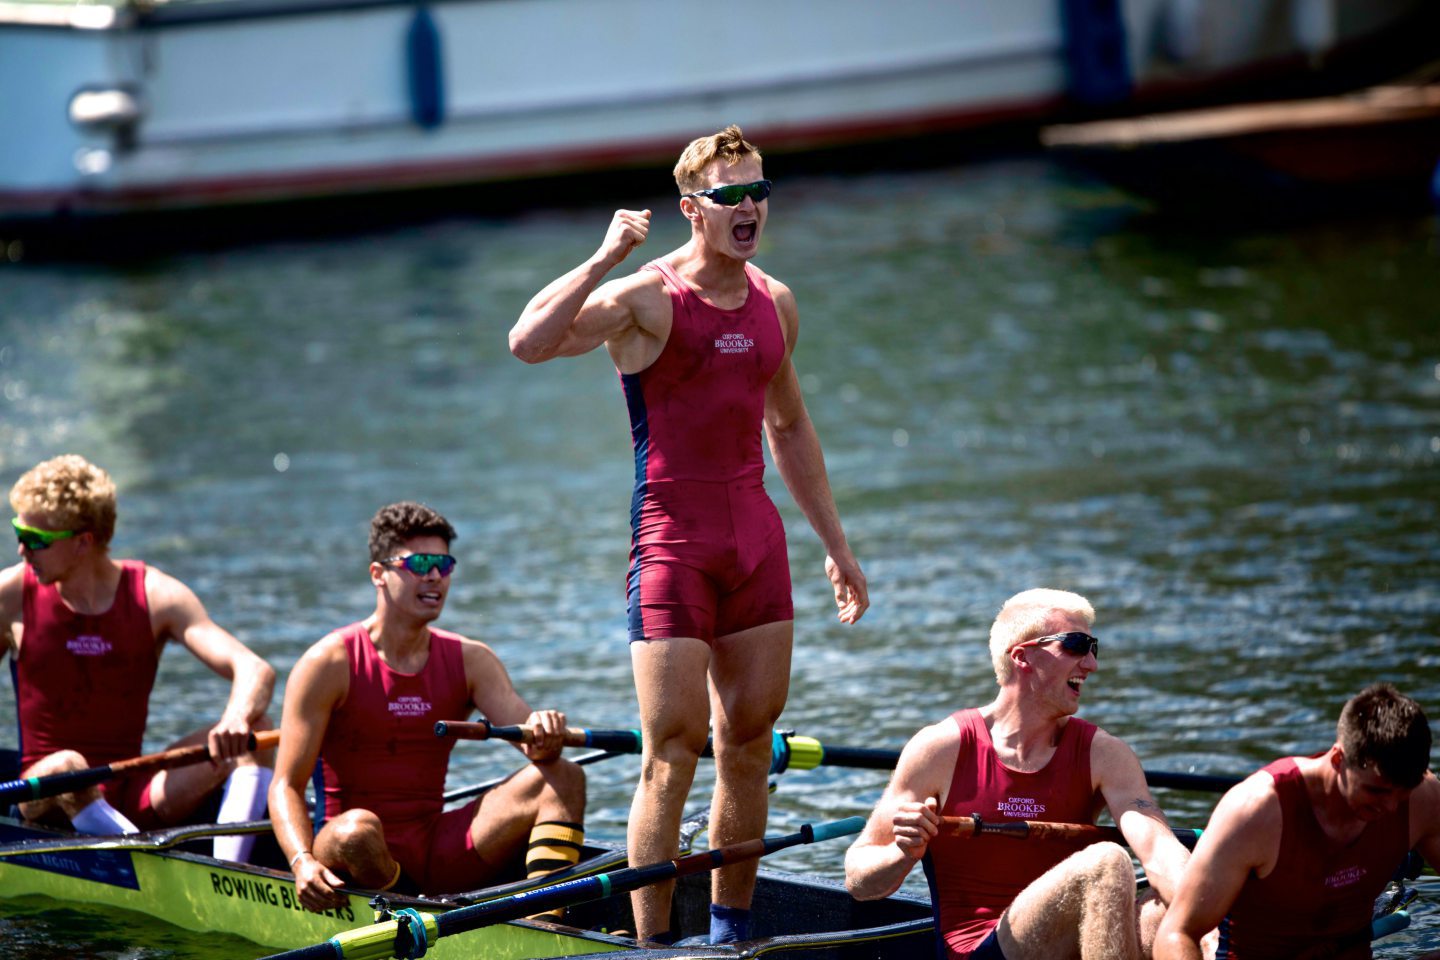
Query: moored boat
[(135, 106), (1376, 147)]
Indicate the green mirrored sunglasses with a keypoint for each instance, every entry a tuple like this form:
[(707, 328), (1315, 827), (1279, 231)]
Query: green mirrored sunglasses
[(33, 538)]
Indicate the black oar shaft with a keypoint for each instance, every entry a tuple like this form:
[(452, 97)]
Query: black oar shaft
[(605, 885), (800, 753), (383, 940), (615, 741), (1198, 782)]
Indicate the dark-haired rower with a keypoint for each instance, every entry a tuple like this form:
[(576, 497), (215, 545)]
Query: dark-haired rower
[(1294, 857), (365, 699)]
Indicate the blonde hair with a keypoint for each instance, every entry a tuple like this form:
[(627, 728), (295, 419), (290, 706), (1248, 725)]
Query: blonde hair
[(1028, 615), (728, 145), (72, 492)]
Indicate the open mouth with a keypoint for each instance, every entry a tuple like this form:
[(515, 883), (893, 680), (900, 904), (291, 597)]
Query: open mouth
[(745, 232), (1075, 683)]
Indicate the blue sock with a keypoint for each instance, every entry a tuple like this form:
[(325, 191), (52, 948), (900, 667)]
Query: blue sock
[(666, 937), (728, 924)]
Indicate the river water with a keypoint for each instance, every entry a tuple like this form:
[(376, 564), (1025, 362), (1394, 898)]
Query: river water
[(1230, 441)]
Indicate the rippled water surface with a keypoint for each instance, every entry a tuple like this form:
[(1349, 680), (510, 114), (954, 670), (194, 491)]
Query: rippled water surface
[(1229, 442)]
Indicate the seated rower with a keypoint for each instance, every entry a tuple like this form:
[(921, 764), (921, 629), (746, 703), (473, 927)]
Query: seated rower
[(364, 701), (1296, 854), (1024, 756), (85, 632)]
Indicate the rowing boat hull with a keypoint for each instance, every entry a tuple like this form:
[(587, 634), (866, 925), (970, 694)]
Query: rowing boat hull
[(203, 894), (199, 893)]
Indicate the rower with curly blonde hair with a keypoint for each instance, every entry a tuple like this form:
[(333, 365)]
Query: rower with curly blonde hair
[(86, 632)]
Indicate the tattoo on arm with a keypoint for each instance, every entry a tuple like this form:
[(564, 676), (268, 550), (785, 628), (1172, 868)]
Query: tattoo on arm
[(1149, 807)]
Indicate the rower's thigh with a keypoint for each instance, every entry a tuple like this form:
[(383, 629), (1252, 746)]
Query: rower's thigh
[(750, 680), (1043, 921), (670, 687)]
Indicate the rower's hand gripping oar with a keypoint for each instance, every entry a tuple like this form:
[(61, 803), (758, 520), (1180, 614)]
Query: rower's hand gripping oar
[(614, 741), (974, 826), (788, 752), (411, 933), (36, 788)]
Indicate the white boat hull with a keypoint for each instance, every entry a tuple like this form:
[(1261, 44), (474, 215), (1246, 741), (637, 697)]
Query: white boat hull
[(244, 101)]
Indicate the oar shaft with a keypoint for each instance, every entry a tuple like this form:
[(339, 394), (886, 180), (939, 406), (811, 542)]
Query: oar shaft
[(388, 939), (799, 753), (620, 881), (35, 788)]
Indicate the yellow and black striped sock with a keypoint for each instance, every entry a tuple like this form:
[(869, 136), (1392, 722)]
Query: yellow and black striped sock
[(554, 845)]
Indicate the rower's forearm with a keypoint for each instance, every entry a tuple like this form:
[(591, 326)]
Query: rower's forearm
[(801, 463), (291, 820), (873, 873), (1164, 864), (252, 689)]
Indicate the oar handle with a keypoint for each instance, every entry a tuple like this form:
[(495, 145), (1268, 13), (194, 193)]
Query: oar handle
[(185, 756), (975, 826), (615, 741), (35, 788)]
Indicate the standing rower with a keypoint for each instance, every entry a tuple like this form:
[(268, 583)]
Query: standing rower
[(702, 340)]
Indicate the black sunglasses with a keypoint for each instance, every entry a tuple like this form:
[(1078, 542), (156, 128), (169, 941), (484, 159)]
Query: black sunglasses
[(1074, 642), (422, 563), (732, 193)]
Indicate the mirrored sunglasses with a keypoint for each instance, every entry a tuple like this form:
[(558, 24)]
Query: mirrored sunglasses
[(422, 563), (1074, 642), (732, 194), (33, 538)]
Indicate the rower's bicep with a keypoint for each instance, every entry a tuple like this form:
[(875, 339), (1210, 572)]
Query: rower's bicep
[(316, 687), (921, 773)]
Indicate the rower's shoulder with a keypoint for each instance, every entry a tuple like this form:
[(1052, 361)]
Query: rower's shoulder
[(933, 748), (477, 654), (330, 648), (1251, 807), (640, 288), (1109, 755), (1425, 801), (12, 600), (12, 586)]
